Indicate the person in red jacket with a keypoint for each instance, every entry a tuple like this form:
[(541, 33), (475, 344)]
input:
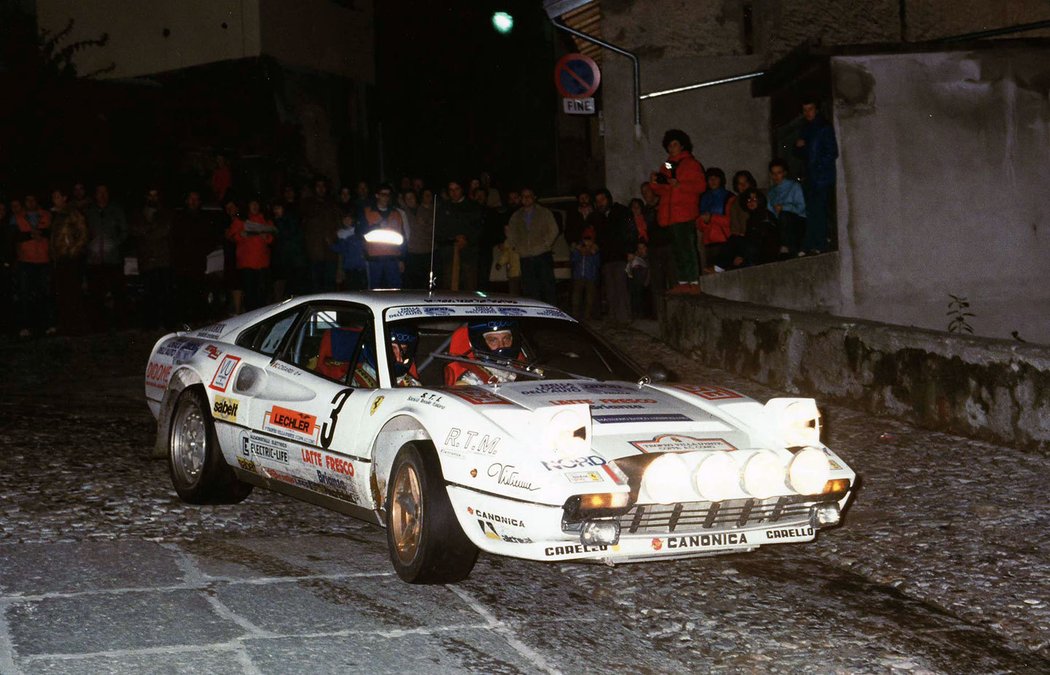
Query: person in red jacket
[(252, 237), (679, 183), (32, 230)]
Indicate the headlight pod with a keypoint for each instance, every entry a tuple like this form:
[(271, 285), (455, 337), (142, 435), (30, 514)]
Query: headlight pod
[(764, 475), (809, 471), (566, 433), (797, 419), (666, 480), (716, 477)]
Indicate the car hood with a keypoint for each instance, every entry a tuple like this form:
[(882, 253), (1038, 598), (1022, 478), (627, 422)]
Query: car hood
[(627, 418)]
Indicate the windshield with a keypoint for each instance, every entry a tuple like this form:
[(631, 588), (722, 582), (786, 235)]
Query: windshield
[(486, 349)]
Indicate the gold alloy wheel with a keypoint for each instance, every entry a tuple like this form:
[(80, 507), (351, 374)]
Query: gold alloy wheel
[(407, 513)]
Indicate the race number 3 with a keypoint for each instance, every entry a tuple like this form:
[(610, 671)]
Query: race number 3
[(328, 428)]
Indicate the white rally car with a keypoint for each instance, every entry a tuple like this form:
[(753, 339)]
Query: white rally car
[(472, 422)]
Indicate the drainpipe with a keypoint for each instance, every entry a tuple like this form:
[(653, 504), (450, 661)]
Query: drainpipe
[(619, 50)]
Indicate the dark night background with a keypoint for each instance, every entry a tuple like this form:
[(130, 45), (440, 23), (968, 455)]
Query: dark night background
[(453, 97), (456, 97)]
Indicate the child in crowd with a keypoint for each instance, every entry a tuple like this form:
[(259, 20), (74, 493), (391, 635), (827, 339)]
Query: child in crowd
[(586, 265)]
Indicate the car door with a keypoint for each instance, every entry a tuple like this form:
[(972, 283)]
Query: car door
[(320, 382)]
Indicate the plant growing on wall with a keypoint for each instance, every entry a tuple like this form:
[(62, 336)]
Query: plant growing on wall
[(959, 311)]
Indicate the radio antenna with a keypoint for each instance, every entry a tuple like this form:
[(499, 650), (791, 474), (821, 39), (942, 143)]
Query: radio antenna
[(432, 280)]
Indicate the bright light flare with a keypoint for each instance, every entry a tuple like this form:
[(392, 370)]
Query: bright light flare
[(567, 434), (383, 236), (502, 22)]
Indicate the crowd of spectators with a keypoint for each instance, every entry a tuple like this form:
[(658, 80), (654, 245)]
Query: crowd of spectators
[(86, 263)]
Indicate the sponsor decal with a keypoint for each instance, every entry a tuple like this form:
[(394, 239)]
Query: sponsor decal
[(221, 380), (375, 405), (708, 392), (315, 457), (179, 349), (720, 539), (341, 487), (584, 477), (508, 474), (614, 472), (571, 549), (339, 465), (556, 313), (489, 530), (285, 368), (607, 388), (834, 465), (472, 441), (511, 311), (327, 485), (628, 419), (213, 352), (225, 408), (439, 311), (266, 448), (495, 517), (290, 423), (790, 533), (402, 312), (680, 443), (575, 463), (428, 398), (608, 403), (158, 374), (246, 464), (551, 388), (476, 396), (213, 331)]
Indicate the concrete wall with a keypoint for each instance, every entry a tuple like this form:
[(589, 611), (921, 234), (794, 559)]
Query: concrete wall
[(813, 284), (991, 389), (316, 34), (945, 159)]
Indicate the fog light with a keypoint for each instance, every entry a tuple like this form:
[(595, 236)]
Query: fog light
[(825, 515), (764, 475), (717, 477), (596, 532), (666, 480), (809, 471)]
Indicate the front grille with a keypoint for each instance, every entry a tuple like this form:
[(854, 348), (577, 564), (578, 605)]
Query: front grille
[(724, 515)]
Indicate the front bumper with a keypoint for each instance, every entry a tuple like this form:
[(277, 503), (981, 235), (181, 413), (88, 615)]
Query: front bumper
[(647, 531)]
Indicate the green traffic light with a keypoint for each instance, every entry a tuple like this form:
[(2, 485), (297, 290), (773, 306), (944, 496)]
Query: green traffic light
[(502, 22)]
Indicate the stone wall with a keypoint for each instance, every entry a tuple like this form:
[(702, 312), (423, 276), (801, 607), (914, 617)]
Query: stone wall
[(980, 387)]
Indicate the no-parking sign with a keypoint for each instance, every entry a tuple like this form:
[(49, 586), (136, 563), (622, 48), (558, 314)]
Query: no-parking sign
[(576, 76)]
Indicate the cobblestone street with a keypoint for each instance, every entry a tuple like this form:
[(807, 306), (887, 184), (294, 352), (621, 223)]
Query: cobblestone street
[(942, 563)]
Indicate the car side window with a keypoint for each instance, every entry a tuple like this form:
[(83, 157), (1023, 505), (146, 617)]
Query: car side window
[(337, 343), (267, 336)]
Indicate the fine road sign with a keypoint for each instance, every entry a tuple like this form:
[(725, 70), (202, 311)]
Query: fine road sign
[(576, 76), (578, 106)]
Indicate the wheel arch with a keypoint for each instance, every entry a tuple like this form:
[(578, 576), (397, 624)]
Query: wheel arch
[(181, 379), (396, 432)]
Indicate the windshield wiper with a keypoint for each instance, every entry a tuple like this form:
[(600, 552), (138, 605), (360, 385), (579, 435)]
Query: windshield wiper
[(537, 364)]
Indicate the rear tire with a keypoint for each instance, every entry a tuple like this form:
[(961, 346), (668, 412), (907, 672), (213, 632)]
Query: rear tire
[(198, 471), (424, 538)]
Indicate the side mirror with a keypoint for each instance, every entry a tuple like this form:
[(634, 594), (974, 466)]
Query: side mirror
[(657, 372)]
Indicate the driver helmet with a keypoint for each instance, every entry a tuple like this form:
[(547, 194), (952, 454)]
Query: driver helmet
[(407, 340), (496, 330)]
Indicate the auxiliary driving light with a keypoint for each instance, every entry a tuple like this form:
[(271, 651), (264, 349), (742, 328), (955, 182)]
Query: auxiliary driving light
[(764, 475), (666, 480), (716, 477), (809, 471), (596, 532), (825, 515), (604, 500)]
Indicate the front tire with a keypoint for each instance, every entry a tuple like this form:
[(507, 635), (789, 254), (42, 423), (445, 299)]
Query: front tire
[(424, 538), (198, 471)]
